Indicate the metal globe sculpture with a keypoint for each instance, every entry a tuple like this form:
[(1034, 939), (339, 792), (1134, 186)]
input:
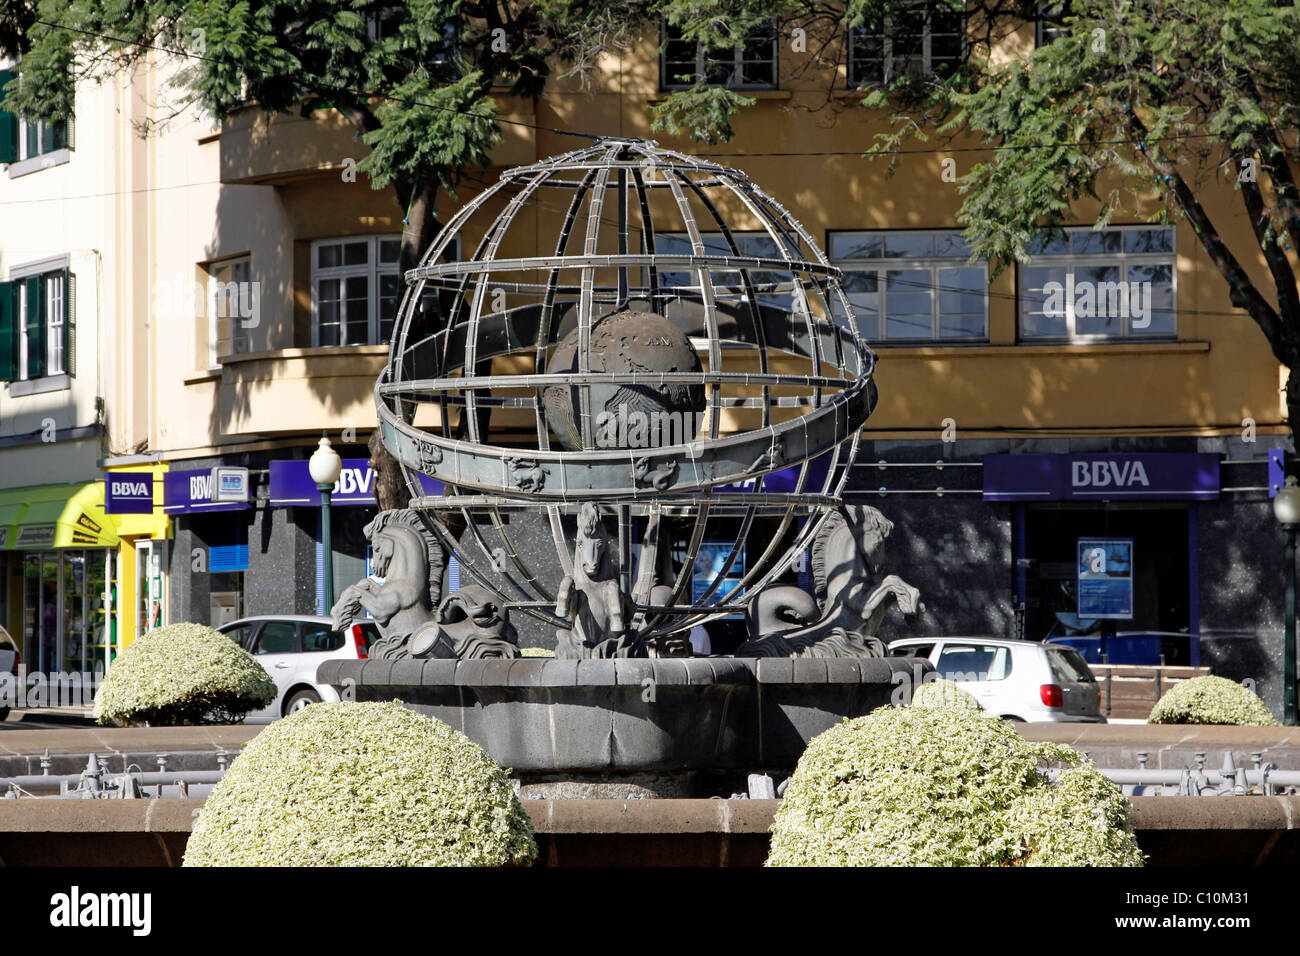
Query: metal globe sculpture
[(682, 354)]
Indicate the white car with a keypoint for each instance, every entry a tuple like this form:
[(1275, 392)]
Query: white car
[(1019, 680), (291, 647), (8, 679)]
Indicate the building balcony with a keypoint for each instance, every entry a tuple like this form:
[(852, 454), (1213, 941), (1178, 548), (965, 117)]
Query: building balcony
[(297, 389), (274, 149)]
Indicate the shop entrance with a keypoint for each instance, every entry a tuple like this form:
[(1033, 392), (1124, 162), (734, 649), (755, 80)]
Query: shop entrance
[(1163, 626), (66, 602), (150, 560)]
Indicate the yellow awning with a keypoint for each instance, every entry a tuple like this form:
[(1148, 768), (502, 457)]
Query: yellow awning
[(55, 516)]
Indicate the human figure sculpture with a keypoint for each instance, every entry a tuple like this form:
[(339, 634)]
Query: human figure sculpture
[(591, 599), (843, 618)]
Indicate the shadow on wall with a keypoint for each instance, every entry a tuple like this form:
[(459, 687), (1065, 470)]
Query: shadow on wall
[(1241, 594), (959, 554), (276, 229)]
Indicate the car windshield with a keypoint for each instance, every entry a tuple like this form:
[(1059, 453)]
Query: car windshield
[(1068, 667)]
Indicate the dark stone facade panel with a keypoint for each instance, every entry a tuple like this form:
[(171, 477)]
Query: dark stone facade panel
[(1241, 593)]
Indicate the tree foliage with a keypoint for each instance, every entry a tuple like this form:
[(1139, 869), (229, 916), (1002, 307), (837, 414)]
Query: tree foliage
[(1145, 106), (1150, 108)]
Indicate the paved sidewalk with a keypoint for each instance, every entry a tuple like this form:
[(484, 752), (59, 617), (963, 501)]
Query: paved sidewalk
[(35, 718)]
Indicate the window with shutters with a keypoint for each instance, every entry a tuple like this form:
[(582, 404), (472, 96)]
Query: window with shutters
[(37, 325), (29, 145)]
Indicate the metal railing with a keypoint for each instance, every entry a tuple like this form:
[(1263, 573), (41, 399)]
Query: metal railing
[(97, 782)]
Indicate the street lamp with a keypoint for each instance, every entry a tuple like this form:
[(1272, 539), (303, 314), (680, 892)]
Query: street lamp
[(324, 467), (1286, 508)]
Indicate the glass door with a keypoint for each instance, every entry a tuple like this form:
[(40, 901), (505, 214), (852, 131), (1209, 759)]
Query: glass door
[(149, 564), (31, 638), (99, 611), (74, 611)]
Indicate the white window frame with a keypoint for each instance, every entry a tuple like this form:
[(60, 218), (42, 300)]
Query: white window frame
[(883, 265), (240, 341), (22, 332), (738, 64), (370, 269), (887, 59), (39, 126), (1071, 261), (55, 317), (374, 270)]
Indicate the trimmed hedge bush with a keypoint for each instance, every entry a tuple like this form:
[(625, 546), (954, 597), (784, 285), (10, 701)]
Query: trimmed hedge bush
[(944, 693), (182, 674), (1211, 700), (924, 786), (362, 784)]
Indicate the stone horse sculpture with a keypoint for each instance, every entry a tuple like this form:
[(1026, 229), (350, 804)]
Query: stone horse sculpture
[(844, 617), (591, 599), (403, 594)]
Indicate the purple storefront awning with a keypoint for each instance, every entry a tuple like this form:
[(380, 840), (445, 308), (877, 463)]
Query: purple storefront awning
[(1119, 476), (292, 485), (190, 491)]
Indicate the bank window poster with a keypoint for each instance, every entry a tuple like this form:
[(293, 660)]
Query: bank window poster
[(711, 563), (1105, 578)]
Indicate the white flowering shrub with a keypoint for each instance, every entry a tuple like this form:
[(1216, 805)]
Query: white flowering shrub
[(362, 784), (944, 693), (1211, 700), (943, 786), (536, 652), (182, 674)]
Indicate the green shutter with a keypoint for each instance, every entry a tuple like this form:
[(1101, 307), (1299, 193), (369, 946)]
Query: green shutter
[(35, 319), (8, 331), (8, 125), (69, 322)]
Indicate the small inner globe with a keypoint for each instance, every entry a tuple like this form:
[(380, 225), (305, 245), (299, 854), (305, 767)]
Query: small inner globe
[(627, 415)]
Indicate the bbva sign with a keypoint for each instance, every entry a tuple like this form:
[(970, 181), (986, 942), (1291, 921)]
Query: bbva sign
[(1099, 474)]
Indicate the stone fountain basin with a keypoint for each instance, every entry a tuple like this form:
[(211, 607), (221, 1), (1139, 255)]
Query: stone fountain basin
[(541, 715)]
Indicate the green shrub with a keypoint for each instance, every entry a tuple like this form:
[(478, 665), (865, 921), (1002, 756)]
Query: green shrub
[(362, 784), (923, 786), (1211, 700), (944, 693), (182, 674)]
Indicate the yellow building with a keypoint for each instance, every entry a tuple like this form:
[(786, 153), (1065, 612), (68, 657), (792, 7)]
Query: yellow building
[(1180, 391)]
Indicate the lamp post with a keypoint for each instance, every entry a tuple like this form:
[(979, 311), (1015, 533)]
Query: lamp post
[(324, 467), (1286, 508)]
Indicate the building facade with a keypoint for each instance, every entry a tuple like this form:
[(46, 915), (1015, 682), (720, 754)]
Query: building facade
[(1017, 423)]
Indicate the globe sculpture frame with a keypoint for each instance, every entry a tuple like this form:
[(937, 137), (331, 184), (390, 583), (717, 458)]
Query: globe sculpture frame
[(509, 381), (793, 304)]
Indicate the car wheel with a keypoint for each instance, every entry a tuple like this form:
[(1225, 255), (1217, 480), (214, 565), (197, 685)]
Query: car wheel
[(4, 713), (1014, 720), (300, 700)]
